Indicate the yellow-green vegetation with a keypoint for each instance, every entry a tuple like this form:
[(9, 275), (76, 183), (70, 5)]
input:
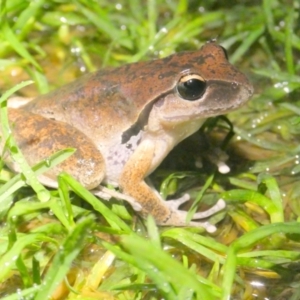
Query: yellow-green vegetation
[(68, 244)]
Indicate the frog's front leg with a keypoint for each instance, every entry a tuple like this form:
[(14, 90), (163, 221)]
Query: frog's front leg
[(165, 212)]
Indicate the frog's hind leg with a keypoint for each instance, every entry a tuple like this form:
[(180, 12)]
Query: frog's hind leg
[(38, 138)]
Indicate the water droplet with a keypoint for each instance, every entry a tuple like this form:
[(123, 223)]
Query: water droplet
[(48, 162), (119, 6), (164, 30)]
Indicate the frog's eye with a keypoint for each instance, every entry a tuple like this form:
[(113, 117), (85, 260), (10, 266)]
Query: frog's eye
[(191, 87)]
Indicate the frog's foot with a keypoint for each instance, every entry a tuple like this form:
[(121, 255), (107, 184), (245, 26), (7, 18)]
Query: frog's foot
[(218, 157), (178, 217), (106, 194)]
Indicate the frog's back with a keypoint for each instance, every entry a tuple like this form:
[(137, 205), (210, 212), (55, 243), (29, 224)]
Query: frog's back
[(88, 104), (107, 103)]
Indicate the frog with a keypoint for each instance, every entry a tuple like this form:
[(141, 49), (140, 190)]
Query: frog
[(124, 121)]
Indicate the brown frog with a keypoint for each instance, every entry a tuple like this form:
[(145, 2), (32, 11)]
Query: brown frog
[(124, 121)]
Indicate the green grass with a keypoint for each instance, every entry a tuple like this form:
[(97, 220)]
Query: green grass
[(94, 249)]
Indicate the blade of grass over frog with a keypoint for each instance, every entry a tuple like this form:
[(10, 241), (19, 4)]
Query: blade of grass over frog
[(11, 91), (198, 243), (110, 217), (16, 154), (160, 262), (255, 197), (195, 204), (274, 193), (17, 181), (6, 191), (7, 261), (246, 241), (63, 258), (13, 41), (65, 199), (42, 193), (53, 160), (23, 294)]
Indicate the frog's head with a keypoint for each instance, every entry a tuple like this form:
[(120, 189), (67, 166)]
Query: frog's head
[(208, 85)]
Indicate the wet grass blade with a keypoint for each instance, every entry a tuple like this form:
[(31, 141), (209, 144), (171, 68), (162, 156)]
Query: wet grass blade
[(244, 242), (63, 259)]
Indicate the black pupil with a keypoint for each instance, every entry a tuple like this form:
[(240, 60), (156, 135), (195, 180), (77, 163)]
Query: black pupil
[(192, 89)]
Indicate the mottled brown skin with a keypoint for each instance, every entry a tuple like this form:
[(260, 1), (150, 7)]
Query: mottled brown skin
[(102, 112), (87, 162)]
